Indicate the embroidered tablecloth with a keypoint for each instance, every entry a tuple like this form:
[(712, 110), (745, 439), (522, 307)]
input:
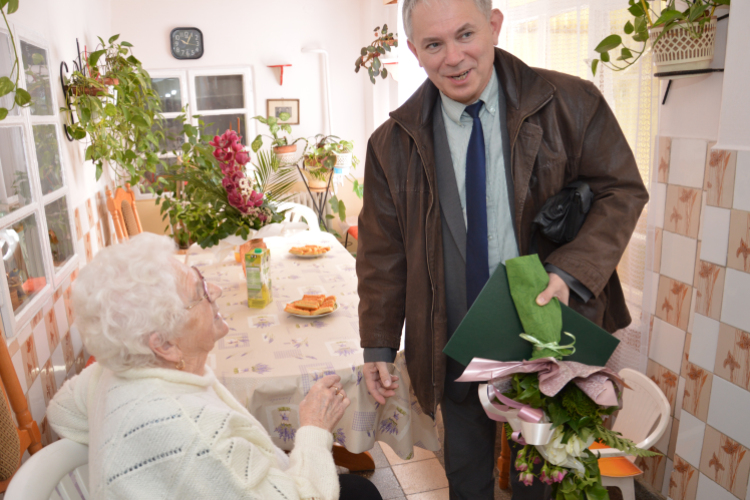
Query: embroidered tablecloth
[(270, 359)]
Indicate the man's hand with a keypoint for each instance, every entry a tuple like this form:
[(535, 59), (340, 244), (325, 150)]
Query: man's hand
[(380, 384), (556, 288)]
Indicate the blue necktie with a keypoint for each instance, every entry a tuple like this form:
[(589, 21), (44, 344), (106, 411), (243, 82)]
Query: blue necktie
[(477, 260)]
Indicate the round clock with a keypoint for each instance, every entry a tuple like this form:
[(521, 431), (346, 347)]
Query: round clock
[(187, 43)]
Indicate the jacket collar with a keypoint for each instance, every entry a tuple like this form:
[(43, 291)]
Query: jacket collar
[(415, 115)]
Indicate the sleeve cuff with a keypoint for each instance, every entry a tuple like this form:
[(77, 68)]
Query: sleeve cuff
[(575, 286), (311, 436), (374, 354)]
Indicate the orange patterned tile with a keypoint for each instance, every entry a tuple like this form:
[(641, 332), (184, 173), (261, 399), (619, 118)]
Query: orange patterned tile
[(710, 285), (79, 228), (683, 209), (673, 302), (665, 379), (58, 293), (37, 319), (738, 255), (725, 461), (653, 469), (665, 148), (30, 362), (90, 212), (697, 391), (658, 232), (99, 236), (49, 386), (53, 335), (80, 362), (696, 273), (45, 432), (68, 354), (73, 275), (673, 439), (733, 356), (719, 181), (68, 298), (683, 485), (87, 245), (686, 355)]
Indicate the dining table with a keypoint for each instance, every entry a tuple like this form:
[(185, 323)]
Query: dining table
[(270, 359)]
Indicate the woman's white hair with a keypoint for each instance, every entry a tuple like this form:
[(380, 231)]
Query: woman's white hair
[(484, 6), (128, 292)]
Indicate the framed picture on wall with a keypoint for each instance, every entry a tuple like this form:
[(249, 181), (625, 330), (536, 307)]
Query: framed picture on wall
[(274, 107)]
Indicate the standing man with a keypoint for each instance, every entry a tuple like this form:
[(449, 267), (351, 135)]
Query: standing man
[(453, 181)]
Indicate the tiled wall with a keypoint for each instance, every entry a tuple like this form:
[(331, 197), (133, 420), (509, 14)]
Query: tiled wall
[(699, 351), (48, 351)]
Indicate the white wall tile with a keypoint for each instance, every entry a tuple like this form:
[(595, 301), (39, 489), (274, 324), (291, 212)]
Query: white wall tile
[(715, 235), (651, 279), (42, 344), (742, 183), (679, 398), (703, 342), (734, 309), (667, 345), (658, 203), (663, 444), (728, 410), (18, 366), (688, 162), (36, 400), (690, 439), (678, 256), (709, 490), (58, 365), (61, 317), (667, 476)]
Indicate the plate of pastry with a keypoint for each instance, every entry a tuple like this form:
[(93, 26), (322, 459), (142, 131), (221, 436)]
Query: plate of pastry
[(309, 251), (312, 306)]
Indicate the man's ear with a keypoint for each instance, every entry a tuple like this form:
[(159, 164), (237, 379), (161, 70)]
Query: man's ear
[(413, 51), (496, 22), (165, 350)]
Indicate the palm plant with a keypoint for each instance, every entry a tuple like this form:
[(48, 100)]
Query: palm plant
[(271, 178)]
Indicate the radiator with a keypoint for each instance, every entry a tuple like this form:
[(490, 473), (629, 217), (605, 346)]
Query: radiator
[(301, 197)]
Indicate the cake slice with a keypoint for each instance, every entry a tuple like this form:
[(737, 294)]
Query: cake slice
[(295, 310)]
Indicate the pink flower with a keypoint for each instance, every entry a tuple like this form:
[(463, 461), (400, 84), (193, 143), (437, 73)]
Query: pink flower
[(242, 157), (256, 198), (543, 477), (526, 478), (558, 475), (537, 460), (521, 466)]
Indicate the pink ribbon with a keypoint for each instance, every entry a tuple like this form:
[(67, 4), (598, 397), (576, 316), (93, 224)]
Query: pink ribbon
[(525, 413)]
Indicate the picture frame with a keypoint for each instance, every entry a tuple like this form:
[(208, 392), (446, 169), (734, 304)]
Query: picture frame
[(276, 106)]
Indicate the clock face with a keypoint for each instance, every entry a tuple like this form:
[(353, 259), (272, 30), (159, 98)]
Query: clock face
[(187, 43)]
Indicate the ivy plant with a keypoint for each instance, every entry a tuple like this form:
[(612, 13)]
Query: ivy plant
[(369, 57), (9, 84)]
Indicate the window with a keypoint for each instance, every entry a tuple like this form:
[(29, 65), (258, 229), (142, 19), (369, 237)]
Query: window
[(221, 98), (36, 238)]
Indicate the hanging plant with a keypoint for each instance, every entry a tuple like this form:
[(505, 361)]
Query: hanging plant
[(117, 110), (21, 97), (370, 56)]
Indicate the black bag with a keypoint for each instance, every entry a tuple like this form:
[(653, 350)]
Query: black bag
[(562, 215)]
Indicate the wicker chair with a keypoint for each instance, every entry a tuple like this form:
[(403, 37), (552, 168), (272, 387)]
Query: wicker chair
[(124, 213)]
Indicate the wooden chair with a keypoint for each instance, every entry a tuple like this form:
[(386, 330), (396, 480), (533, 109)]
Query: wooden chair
[(503, 461), (124, 212), (14, 440)]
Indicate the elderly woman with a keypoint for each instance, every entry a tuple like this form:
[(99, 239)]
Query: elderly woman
[(158, 423)]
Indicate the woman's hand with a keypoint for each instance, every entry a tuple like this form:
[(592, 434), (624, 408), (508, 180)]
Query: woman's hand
[(324, 405)]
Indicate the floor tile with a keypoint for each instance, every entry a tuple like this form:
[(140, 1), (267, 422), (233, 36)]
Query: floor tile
[(431, 495), (678, 256), (738, 252), (708, 489), (666, 345), (378, 456), (742, 182), (386, 483), (734, 310), (687, 162), (419, 455), (703, 342), (715, 237), (690, 439), (730, 406), (418, 477), (720, 174)]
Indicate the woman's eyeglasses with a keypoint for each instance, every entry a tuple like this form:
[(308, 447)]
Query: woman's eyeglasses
[(206, 294)]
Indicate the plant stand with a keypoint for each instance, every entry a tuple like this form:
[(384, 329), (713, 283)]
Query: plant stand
[(320, 198)]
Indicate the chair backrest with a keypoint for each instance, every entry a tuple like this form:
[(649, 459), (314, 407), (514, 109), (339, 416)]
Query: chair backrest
[(40, 474), (124, 212), (644, 406), (27, 435), (296, 211)]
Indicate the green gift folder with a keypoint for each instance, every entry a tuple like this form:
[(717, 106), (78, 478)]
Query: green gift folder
[(491, 330)]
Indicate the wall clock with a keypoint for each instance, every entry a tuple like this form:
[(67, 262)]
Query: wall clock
[(187, 43)]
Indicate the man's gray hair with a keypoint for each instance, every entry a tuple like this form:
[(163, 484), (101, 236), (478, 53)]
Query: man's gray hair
[(128, 292), (484, 6)]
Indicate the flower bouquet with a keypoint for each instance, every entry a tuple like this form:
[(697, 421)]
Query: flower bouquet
[(556, 409)]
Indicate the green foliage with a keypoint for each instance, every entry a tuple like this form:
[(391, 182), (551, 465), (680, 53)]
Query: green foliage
[(7, 86), (369, 57), (118, 111), (320, 156), (274, 127), (271, 179), (615, 440), (691, 15)]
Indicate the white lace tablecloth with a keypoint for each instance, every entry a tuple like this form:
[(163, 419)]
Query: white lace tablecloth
[(270, 359)]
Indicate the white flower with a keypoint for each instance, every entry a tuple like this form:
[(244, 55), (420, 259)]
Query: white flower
[(555, 449), (575, 446)]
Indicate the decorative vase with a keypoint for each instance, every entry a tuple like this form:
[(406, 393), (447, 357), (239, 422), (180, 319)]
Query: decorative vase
[(343, 163), (678, 50), (287, 155)]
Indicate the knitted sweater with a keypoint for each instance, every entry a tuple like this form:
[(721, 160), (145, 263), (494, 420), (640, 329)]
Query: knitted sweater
[(164, 434)]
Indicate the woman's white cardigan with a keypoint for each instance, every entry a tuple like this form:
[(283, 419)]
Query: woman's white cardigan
[(164, 434)]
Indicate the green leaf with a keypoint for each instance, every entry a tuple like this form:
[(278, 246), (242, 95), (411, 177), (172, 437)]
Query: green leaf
[(257, 143), (625, 54), (286, 128), (12, 6), (94, 57), (636, 10), (641, 37), (697, 11), (641, 25), (605, 56), (608, 43), (284, 116), (260, 119), (628, 28), (6, 86), (334, 202), (669, 15), (113, 38), (22, 97), (385, 29), (381, 50), (597, 492), (110, 110), (594, 65), (342, 210), (557, 414), (3, 113), (384, 73), (363, 52), (126, 44), (271, 121), (37, 59), (3, 3)]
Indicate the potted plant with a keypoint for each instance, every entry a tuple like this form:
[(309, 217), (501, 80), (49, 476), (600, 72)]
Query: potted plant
[(283, 147), (326, 153), (682, 38), (369, 56), (21, 97), (117, 110)]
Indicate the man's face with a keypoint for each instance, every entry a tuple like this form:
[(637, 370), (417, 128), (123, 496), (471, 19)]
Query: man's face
[(454, 42)]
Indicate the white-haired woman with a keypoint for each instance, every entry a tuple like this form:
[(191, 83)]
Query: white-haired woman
[(157, 422)]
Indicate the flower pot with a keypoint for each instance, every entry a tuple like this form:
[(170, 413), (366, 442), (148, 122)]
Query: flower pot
[(678, 50), (343, 163), (315, 184), (287, 155)]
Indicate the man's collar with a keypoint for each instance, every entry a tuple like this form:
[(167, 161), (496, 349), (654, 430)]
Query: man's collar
[(455, 109)]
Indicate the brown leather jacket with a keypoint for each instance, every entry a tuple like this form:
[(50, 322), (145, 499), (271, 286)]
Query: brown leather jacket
[(560, 129)]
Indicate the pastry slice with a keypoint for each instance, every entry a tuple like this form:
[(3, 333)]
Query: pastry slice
[(321, 310), (318, 298), (309, 305), (295, 310)]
